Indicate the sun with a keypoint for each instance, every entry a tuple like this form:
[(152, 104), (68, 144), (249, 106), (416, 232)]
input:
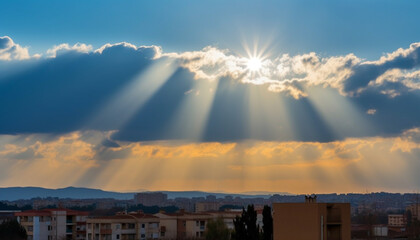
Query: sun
[(254, 64)]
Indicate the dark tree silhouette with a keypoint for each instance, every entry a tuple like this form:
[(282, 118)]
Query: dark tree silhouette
[(12, 230), (246, 226), (240, 231), (268, 223)]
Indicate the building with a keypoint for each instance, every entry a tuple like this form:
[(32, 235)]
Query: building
[(415, 211), (396, 220), (151, 198), (206, 206), (311, 220), (123, 226), (7, 215), (53, 224), (183, 225)]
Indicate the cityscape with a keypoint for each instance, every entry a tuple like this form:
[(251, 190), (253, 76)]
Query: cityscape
[(152, 215), (209, 119)]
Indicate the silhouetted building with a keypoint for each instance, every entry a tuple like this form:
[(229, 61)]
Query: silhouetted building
[(311, 220)]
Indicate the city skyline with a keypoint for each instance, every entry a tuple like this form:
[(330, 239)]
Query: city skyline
[(287, 96)]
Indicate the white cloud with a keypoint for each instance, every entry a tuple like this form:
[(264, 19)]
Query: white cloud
[(65, 47), (12, 51)]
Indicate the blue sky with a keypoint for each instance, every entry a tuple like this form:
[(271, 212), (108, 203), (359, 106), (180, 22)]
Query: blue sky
[(290, 96), (366, 28)]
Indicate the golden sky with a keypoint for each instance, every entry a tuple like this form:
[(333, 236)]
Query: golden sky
[(351, 165)]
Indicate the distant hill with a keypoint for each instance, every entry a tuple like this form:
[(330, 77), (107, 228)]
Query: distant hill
[(16, 193)]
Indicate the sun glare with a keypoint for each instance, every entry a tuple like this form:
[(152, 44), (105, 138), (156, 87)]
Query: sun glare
[(254, 64)]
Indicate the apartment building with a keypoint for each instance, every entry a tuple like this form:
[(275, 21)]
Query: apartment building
[(311, 220), (396, 220), (124, 226), (183, 225), (53, 224)]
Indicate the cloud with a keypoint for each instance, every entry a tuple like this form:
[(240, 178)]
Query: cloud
[(364, 73), (371, 111), (65, 47), (291, 98), (80, 159), (12, 51)]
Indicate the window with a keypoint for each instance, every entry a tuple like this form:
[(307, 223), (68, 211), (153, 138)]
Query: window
[(162, 234), (118, 236), (143, 235), (117, 226), (143, 225), (197, 223)]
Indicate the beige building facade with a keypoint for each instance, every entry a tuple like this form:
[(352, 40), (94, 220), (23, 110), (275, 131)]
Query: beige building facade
[(311, 221)]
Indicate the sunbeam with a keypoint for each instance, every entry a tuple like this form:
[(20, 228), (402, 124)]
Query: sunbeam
[(339, 112), (121, 107), (194, 111)]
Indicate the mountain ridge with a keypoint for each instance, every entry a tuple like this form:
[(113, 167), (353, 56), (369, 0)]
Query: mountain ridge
[(23, 193)]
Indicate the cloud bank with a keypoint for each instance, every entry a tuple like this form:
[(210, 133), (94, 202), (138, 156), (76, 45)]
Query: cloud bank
[(140, 93)]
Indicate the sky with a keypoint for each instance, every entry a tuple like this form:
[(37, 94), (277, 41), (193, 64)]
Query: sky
[(225, 96)]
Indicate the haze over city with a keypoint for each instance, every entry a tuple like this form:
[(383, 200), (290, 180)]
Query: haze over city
[(217, 96)]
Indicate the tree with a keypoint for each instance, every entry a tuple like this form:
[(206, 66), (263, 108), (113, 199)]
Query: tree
[(240, 230), (246, 226), (217, 230), (268, 223), (12, 230), (252, 229)]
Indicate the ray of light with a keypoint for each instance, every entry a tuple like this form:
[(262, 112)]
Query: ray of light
[(194, 111), (338, 112), (267, 115), (132, 97)]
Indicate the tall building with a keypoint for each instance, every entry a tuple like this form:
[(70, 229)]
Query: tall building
[(123, 226), (53, 224), (311, 221), (151, 198)]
